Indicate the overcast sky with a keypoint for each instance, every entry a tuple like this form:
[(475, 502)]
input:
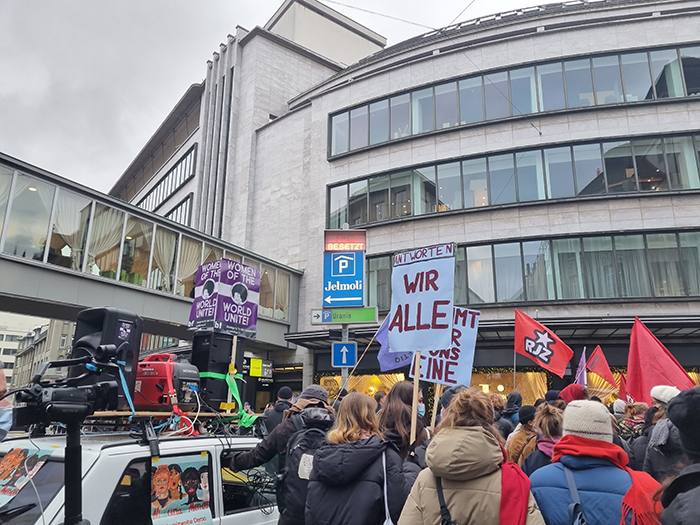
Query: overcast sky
[(85, 83)]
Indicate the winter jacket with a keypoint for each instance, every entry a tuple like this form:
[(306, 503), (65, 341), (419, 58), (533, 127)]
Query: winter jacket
[(664, 450), (521, 445), (682, 498), (513, 404), (638, 450), (468, 460), (275, 416), (504, 425), (601, 487), (631, 428), (347, 484), (540, 457)]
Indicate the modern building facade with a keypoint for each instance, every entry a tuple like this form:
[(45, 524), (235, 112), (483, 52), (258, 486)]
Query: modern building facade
[(556, 145), (49, 342), (12, 329)]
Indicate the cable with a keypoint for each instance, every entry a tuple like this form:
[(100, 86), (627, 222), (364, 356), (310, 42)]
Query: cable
[(380, 14), (31, 480)]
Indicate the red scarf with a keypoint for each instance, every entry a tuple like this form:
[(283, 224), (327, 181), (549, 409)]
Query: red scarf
[(639, 500), (515, 492)]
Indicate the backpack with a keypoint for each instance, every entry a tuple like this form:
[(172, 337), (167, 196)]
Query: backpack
[(293, 481)]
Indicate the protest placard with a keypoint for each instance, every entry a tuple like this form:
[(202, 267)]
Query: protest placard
[(180, 492), (17, 467), (422, 294)]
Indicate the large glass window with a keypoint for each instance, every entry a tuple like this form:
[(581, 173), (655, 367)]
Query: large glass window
[(560, 173), (589, 169), (523, 91), (651, 168), (509, 272), (682, 165), (103, 250), (379, 269), (665, 265), (568, 268), (461, 293), (471, 102), (480, 274), (358, 128), (502, 178), (530, 176), (28, 223), (637, 77), (340, 133), (401, 194), (666, 71), (475, 183), (690, 258), (212, 253), (5, 183), (446, 105), (400, 114), (608, 84), (164, 260), (190, 258), (690, 56), (423, 110), (379, 198), (424, 194), (282, 296), (69, 232), (449, 187), (266, 303), (539, 281), (379, 122), (496, 95), (600, 267), (550, 81), (619, 167), (338, 206), (632, 266), (579, 85), (357, 208), (136, 251)]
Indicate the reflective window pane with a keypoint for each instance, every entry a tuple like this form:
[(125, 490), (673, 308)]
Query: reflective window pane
[(509, 272), (379, 122), (357, 208), (666, 71), (523, 91), (266, 303), (471, 102), (379, 273), (568, 268), (136, 252), (579, 85), (401, 194), (449, 187), (632, 266), (339, 133), (475, 183), (690, 56), (5, 183), (651, 169), (530, 176), (608, 84), (190, 257), (550, 81), (446, 110), (682, 163), (400, 114), (69, 231), (164, 260), (358, 128), (560, 173), (665, 265), (282, 296), (424, 191), (379, 198), (502, 179), (28, 222), (480, 274), (460, 276), (496, 95), (105, 239), (539, 281), (338, 206), (619, 167), (422, 110), (600, 267), (232, 256), (637, 76), (589, 169), (690, 261), (212, 253)]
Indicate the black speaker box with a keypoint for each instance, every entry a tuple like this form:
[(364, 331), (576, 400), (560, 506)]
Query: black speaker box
[(109, 326), (211, 352)]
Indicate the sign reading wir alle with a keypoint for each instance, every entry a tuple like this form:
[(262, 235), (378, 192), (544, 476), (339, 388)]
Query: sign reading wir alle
[(344, 268)]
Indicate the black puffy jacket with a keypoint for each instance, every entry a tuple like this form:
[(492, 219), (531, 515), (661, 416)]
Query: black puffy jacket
[(347, 484), (682, 498), (664, 450)]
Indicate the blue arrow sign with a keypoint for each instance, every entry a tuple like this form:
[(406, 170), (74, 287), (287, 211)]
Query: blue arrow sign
[(343, 279), (343, 354)]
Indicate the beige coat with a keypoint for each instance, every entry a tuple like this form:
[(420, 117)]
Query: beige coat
[(468, 460), (521, 444)]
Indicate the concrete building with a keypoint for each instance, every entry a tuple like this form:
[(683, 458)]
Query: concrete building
[(48, 342), (12, 329), (556, 145)]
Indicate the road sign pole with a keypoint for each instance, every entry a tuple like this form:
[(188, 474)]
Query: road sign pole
[(344, 371)]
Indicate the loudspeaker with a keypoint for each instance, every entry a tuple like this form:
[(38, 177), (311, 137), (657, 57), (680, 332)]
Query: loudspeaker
[(109, 326), (211, 352)]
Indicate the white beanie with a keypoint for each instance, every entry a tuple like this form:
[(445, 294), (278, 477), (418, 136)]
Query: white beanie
[(664, 393), (588, 419)]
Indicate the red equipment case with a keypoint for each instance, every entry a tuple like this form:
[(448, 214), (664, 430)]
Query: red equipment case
[(155, 376)]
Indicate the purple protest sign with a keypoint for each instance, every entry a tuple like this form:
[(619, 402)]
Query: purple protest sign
[(206, 288), (238, 295)]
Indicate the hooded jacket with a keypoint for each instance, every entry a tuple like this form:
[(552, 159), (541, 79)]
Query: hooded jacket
[(664, 451), (347, 484), (468, 460), (521, 444), (682, 498), (275, 416), (540, 457), (513, 403)]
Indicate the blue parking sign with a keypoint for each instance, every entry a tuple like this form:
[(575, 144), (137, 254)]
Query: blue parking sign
[(343, 279), (343, 354)]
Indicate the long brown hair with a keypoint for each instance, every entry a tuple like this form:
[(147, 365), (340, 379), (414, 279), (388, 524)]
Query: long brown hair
[(549, 420), (396, 414), (470, 407), (355, 414), (635, 409)]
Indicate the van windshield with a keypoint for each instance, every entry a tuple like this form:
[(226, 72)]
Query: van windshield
[(23, 507)]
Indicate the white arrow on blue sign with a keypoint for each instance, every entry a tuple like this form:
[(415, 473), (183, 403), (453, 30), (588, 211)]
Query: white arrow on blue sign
[(343, 279), (343, 354)]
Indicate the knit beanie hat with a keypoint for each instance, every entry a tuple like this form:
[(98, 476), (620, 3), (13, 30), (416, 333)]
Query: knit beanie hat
[(619, 406), (315, 392), (285, 393), (684, 412), (571, 393), (664, 393), (527, 413), (447, 395), (588, 419)]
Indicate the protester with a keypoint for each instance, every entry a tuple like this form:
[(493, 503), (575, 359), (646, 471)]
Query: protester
[(539, 401), (619, 409), (284, 402), (339, 399), (549, 422), (664, 450), (633, 425), (513, 403), (551, 396), (681, 497), (505, 426), (638, 447), (560, 404), (573, 392), (349, 473), (379, 398), (596, 399), (480, 487), (315, 412), (523, 441), (395, 418)]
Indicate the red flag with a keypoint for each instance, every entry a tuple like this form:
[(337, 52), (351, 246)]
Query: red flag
[(537, 342), (622, 394), (650, 364), (599, 365)]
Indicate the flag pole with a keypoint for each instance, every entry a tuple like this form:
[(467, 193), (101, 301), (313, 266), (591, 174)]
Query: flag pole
[(515, 357), (414, 408), (436, 400)]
